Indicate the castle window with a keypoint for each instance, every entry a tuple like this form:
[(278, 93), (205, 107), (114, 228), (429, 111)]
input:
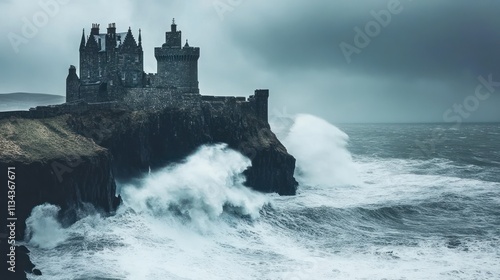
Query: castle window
[(88, 74), (100, 72), (137, 58), (110, 82), (135, 77), (123, 76)]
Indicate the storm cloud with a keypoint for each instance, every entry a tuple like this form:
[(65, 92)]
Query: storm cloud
[(421, 62)]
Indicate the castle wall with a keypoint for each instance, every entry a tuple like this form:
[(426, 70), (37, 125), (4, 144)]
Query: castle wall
[(94, 92), (93, 66), (157, 98), (211, 98), (131, 69), (57, 110), (72, 85), (261, 104), (151, 80)]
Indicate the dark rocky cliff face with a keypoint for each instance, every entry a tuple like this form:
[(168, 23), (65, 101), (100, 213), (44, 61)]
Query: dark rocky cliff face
[(53, 165), (140, 140), (65, 182), (50, 164)]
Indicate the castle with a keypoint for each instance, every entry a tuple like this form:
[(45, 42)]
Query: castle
[(112, 69)]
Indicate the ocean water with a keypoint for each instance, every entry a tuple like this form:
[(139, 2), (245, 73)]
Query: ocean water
[(377, 201)]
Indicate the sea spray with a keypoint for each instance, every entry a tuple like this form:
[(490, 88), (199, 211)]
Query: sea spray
[(320, 149), (42, 227), (199, 188)]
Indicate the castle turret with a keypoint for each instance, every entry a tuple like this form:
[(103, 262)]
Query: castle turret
[(82, 42), (140, 39), (131, 62), (72, 85), (177, 65), (89, 58), (173, 38), (261, 104)]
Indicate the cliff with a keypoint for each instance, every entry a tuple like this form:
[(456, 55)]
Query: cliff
[(144, 139), (69, 159), (55, 165)]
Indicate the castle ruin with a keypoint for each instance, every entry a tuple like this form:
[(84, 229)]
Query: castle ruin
[(112, 70)]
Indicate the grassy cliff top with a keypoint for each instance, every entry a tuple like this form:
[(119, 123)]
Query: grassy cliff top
[(30, 140)]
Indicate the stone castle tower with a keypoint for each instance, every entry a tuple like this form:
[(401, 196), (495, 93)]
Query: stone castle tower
[(111, 63), (177, 65)]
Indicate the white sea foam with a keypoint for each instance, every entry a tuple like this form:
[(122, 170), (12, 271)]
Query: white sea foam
[(198, 188), (42, 228), (321, 151)]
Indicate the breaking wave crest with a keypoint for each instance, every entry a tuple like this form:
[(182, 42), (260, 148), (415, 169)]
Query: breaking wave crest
[(320, 149), (198, 189), (43, 228)]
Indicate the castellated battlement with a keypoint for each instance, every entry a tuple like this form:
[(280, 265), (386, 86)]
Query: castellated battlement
[(112, 72), (155, 99)]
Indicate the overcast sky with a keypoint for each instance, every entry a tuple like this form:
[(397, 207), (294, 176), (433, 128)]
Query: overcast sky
[(417, 66)]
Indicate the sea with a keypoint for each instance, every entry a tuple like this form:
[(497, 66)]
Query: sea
[(374, 201)]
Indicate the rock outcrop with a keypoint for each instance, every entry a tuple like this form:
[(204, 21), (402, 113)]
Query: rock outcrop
[(24, 265), (54, 165)]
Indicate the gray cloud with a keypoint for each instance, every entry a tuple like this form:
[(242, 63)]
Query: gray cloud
[(425, 39)]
